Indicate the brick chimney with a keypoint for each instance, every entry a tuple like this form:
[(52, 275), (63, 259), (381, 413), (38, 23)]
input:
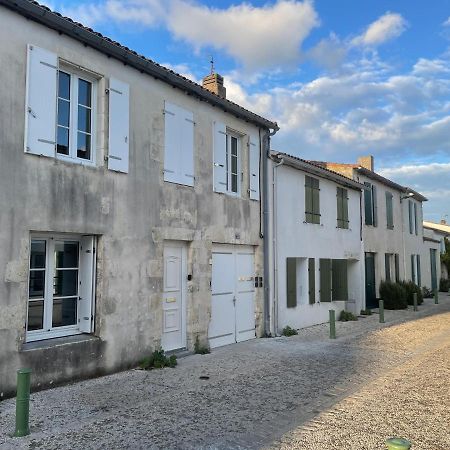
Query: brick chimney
[(214, 83), (366, 162)]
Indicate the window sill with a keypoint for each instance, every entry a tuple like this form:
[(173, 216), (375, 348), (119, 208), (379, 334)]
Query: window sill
[(57, 342)]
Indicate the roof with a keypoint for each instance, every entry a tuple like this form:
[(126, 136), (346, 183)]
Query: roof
[(439, 227), (316, 169), (45, 16), (375, 176)]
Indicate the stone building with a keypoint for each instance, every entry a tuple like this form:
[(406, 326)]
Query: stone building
[(131, 211)]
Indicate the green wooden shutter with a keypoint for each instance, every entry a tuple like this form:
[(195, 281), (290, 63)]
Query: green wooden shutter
[(312, 280), (389, 211), (345, 208), (325, 280), (374, 205), (410, 217), (413, 271), (308, 200), (368, 212), (339, 279), (387, 266), (419, 275), (312, 200), (415, 218), (291, 282)]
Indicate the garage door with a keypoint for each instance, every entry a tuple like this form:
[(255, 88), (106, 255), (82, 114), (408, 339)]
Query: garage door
[(233, 295)]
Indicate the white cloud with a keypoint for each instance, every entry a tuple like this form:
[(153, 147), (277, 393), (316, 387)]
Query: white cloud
[(257, 37), (446, 23), (412, 170), (387, 27), (329, 53)]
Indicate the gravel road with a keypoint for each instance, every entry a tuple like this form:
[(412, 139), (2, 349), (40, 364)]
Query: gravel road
[(306, 392)]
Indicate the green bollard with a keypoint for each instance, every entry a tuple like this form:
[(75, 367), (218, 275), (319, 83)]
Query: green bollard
[(415, 301), (23, 403), (332, 324), (436, 297), (398, 444), (381, 310)]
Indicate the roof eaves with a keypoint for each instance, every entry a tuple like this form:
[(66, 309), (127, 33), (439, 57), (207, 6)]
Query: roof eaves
[(316, 169), (42, 14)]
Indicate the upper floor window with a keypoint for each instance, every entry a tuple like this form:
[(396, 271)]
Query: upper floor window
[(74, 136), (312, 200), (228, 157), (370, 204), (342, 208), (412, 214), (389, 211), (232, 163), (60, 112)]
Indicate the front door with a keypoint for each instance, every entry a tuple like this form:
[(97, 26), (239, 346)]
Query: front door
[(371, 297), (233, 292), (174, 307), (434, 284)]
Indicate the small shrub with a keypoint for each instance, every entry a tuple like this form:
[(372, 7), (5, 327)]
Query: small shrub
[(394, 295), (346, 316), (366, 312), (444, 285), (288, 331), (158, 360), (200, 349), (427, 293), (410, 289)]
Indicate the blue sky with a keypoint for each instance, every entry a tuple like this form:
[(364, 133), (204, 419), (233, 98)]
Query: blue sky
[(342, 78)]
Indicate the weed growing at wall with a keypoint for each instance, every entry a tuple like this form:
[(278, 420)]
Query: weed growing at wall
[(346, 316), (158, 360), (201, 349), (288, 331)]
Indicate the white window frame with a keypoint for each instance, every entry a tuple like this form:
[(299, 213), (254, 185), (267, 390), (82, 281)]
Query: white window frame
[(76, 75), (48, 330), (229, 135)]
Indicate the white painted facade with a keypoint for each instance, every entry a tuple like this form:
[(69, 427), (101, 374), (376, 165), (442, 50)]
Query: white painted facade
[(292, 237)]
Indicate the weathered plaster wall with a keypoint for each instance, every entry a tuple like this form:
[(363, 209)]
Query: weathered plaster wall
[(132, 214)]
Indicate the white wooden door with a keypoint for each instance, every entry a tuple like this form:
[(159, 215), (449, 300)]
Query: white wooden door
[(174, 307), (232, 299)]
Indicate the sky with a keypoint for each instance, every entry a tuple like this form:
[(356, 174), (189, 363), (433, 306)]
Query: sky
[(343, 78)]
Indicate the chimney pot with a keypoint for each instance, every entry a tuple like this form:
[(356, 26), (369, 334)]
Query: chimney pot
[(443, 222), (367, 162), (214, 84)]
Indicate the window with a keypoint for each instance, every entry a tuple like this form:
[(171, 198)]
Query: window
[(60, 286), (387, 266), (397, 267), (410, 215), (370, 204), (339, 279), (342, 208), (232, 163), (389, 211), (325, 280), (312, 200), (74, 134)]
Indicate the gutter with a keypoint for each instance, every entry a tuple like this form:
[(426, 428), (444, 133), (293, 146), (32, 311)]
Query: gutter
[(266, 219)]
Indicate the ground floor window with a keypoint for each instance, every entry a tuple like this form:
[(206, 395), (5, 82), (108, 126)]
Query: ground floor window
[(61, 286)]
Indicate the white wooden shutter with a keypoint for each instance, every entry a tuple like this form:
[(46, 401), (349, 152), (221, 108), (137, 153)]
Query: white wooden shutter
[(172, 140), (254, 163), (119, 126), (40, 115), (187, 148), (86, 293), (220, 157), (179, 145)]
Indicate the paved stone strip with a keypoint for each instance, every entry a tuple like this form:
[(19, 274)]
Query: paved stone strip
[(258, 391)]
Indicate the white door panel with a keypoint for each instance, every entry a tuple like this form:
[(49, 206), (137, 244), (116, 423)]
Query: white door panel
[(174, 315), (232, 299)]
